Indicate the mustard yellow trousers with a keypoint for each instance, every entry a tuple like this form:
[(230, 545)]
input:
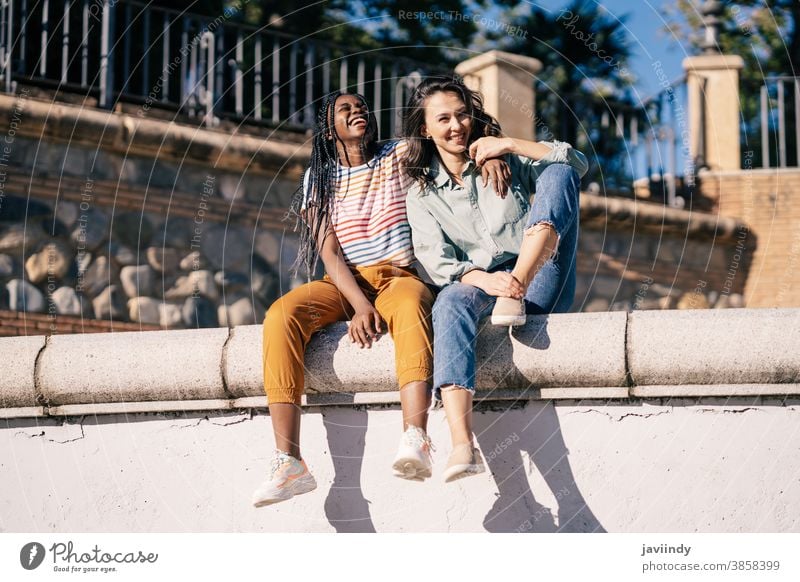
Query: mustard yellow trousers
[(400, 297)]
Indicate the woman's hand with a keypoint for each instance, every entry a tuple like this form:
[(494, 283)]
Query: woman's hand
[(498, 172), (497, 284), (365, 326), (490, 147)]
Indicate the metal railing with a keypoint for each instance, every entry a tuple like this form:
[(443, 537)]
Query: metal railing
[(198, 66), (771, 134), (626, 140), (667, 148)]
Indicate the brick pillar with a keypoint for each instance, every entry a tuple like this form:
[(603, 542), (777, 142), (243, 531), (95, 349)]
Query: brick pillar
[(506, 82), (717, 78)]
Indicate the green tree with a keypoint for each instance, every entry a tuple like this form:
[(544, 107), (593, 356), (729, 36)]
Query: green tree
[(585, 77), (401, 25), (765, 34)]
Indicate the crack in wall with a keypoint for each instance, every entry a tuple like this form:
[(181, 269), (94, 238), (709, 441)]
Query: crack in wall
[(238, 419), (729, 411), (618, 418), (223, 364), (41, 434), (243, 418), (37, 383), (626, 342), (455, 506)]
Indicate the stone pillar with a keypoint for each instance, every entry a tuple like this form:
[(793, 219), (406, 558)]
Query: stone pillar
[(717, 78), (505, 81)]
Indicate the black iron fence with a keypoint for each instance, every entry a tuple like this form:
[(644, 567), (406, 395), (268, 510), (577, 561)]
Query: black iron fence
[(626, 139), (198, 66), (216, 68), (771, 122)]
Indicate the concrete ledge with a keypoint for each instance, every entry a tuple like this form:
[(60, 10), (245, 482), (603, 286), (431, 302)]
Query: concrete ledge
[(732, 347), (17, 382), (734, 352), (652, 217), (132, 366), (557, 351), (539, 354), (135, 135), (718, 390)]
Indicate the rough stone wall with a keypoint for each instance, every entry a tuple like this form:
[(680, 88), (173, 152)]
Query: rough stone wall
[(112, 218), (140, 241)]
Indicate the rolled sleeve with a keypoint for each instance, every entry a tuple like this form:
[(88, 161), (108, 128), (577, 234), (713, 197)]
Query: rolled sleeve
[(564, 153), (437, 257), (560, 153)]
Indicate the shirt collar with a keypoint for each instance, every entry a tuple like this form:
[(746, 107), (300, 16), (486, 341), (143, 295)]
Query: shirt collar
[(441, 177)]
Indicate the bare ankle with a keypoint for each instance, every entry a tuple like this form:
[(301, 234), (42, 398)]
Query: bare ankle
[(522, 278), (461, 440)]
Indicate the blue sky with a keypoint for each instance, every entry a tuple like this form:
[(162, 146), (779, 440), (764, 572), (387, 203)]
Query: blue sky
[(645, 25), (650, 42)]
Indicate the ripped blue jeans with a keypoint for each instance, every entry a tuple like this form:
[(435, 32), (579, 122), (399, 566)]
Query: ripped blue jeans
[(459, 307)]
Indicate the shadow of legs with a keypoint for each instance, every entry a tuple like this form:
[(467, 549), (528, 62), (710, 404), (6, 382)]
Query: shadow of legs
[(345, 507), (534, 429), (515, 510), (546, 448)]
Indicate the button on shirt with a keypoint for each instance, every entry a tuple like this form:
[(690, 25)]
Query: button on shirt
[(456, 229)]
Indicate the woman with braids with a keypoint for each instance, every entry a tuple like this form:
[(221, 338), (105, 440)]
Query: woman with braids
[(353, 217), (504, 258)]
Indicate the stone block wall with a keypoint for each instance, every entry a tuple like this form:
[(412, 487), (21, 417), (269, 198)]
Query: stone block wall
[(643, 255), (767, 203), (115, 219), (154, 258)]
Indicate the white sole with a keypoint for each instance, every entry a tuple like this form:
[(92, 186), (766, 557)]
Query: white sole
[(457, 472), (298, 487), (509, 320), (410, 469)]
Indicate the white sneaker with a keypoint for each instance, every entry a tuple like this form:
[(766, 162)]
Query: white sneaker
[(413, 459), (288, 477)]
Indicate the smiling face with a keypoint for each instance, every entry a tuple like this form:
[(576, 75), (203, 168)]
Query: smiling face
[(447, 122), (350, 118)]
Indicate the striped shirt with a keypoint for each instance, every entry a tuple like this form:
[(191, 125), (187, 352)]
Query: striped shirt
[(369, 211)]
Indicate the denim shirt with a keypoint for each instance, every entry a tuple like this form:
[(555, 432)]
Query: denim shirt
[(456, 229)]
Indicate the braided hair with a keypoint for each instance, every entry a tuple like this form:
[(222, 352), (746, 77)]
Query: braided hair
[(312, 203)]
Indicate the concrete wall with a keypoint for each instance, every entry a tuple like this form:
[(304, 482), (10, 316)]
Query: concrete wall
[(671, 465), (647, 421)]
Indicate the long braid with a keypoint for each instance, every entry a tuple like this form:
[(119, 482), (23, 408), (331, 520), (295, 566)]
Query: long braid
[(316, 197), (313, 205)]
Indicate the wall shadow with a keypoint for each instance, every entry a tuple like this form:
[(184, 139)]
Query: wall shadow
[(345, 507), (535, 430)]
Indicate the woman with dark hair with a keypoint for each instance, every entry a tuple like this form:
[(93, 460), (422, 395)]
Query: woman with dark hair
[(505, 258), (353, 217)]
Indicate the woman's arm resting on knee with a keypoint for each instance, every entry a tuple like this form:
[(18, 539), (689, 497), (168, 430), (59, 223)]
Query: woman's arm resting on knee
[(492, 147), (366, 322), (555, 152), (498, 284)]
